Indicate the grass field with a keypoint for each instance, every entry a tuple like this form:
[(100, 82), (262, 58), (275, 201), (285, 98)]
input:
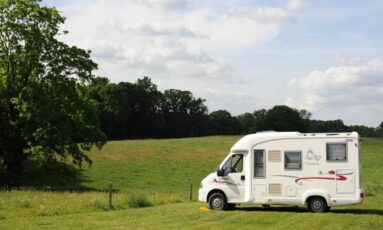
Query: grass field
[(158, 173)]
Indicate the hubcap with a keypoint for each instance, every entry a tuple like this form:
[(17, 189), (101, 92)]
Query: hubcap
[(317, 205), (217, 203)]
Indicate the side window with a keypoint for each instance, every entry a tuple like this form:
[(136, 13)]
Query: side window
[(336, 152), (237, 163), (259, 163), (293, 160), (233, 165)]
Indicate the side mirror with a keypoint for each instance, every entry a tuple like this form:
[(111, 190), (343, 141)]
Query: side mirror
[(219, 172)]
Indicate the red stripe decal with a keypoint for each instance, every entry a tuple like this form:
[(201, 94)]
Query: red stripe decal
[(340, 177)]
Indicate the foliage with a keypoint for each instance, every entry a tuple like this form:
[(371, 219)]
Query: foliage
[(43, 102), (182, 114), (128, 110), (283, 118), (222, 123), (138, 201), (248, 123), (139, 110)]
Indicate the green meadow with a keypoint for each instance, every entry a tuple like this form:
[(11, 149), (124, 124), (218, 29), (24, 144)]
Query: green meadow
[(151, 180)]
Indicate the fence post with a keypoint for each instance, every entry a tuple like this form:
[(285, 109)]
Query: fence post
[(110, 196), (191, 192)]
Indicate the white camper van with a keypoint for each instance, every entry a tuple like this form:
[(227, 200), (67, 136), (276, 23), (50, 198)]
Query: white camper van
[(289, 168)]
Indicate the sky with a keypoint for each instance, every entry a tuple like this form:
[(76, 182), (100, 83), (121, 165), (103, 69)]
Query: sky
[(242, 55)]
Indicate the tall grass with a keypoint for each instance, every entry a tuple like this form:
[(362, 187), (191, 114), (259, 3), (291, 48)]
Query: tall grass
[(23, 203)]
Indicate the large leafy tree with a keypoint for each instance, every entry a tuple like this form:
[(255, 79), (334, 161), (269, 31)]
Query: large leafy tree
[(45, 113)]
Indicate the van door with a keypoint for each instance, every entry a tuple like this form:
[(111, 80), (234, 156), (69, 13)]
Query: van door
[(345, 181), (259, 177), (234, 178)]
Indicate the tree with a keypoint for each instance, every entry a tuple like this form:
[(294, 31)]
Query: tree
[(328, 126), (127, 110), (248, 123), (45, 111), (116, 109), (283, 118), (259, 116), (146, 108), (222, 123), (182, 114)]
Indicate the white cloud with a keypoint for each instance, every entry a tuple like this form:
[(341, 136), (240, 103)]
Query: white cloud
[(353, 87), (168, 4), (130, 39), (297, 5), (178, 44), (262, 14)]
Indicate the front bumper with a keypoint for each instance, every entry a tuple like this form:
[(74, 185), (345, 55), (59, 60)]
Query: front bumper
[(202, 196)]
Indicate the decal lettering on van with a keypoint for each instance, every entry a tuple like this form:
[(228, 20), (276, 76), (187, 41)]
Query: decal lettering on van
[(312, 158)]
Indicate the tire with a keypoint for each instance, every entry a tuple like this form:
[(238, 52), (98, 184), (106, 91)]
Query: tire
[(217, 201), (317, 204)]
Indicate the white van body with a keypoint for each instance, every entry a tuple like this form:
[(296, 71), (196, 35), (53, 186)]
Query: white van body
[(288, 168)]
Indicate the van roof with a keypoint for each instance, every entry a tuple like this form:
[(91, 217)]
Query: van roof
[(248, 141)]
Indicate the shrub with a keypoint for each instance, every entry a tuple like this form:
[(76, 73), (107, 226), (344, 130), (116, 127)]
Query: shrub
[(138, 201)]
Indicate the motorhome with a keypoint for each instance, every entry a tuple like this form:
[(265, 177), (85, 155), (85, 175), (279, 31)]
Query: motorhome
[(319, 170)]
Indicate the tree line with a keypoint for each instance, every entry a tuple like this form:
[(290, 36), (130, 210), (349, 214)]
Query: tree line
[(139, 110)]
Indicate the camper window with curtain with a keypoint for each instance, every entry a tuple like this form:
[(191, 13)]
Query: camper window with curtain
[(336, 152)]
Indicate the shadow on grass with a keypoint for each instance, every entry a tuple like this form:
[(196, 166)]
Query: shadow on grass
[(272, 209), (359, 211), (53, 176), (300, 209)]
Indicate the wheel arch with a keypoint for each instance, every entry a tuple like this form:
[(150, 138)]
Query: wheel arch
[(324, 196), (215, 191), (316, 193)]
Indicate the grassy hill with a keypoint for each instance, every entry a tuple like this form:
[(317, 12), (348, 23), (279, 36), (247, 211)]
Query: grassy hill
[(159, 172), (157, 165)]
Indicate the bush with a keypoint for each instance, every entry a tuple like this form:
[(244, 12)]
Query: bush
[(138, 201)]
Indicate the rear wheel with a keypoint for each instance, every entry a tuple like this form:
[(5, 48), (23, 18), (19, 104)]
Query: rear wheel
[(317, 204), (217, 201)]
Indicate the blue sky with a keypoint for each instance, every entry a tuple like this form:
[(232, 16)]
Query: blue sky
[(324, 56)]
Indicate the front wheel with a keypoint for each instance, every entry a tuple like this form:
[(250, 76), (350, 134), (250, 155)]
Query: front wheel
[(217, 201), (317, 204)]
